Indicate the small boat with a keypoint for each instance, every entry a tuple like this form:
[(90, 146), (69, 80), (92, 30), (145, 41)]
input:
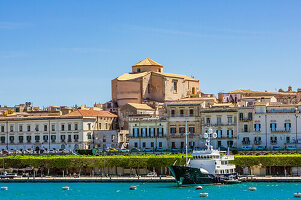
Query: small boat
[(252, 189), (65, 188), (297, 195), (133, 187), (199, 187), (204, 194), (4, 188), (232, 181)]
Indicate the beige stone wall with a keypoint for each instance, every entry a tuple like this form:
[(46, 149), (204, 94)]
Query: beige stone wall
[(157, 88), (127, 92), (147, 69)]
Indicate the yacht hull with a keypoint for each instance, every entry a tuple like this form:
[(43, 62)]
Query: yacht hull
[(188, 175)]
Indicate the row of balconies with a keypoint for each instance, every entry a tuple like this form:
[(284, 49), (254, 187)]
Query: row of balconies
[(38, 142)]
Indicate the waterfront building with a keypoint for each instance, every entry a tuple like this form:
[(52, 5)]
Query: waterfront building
[(275, 127), (223, 119), (70, 131), (148, 82), (104, 139), (147, 133), (182, 115)]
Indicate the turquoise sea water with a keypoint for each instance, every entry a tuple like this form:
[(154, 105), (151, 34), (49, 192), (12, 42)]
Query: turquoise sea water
[(145, 191)]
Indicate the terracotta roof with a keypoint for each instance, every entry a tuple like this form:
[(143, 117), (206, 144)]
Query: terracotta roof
[(128, 76), (147, 62), (141, 106), (91, 113), (176, 76)]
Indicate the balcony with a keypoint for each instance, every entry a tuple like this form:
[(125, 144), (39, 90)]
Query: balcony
[(75, 140), (220, 124), (52, 141), (246, 142), (257, 142), (69, 140), (245, 119)]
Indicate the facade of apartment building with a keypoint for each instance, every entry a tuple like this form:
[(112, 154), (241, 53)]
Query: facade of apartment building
[(147, 133), (70, 131)]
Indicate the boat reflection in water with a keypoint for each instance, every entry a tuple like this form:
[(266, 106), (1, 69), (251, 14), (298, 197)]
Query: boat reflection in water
[(207, 166)]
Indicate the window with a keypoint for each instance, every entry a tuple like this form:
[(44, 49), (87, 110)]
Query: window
[(229, 120), (191, 112), (89, 126), (136, 145), (250, 116), (181, 113), (148, 88), (246, 129), (21, 139), (229, 133), (112, 138), (257, 140), (143, 144), (53, 127), (99, 125), (193, 90), (28, 128), (69, 127), (208, 120), (219, 133), (257, 127), (11, 128), (191, 130), (219, 120), (20, 128), (104, 139), (241, 116), (152, 132), (63, 127), (37, 138), (273, 126), (89, 136), (2, 129), (229, 143), (11, 139), (53, 138), (175, 86), (173, 145), (76, 127), (173, 113), (136, 132), (28, 138), (273, 140), (181, 130), (287, 140), (246, 141), (219, 144), (287, 126), (45, 138), (2, 139), (160, 132), (138, 70), (106, 126), (173, 130), (160, 144), (182, 145), (69, 138), (37, 128), (76, 137), (63, 137), (143, 132), (45, 127)]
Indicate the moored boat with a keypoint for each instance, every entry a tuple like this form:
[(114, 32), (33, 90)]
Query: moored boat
[(207, 166)]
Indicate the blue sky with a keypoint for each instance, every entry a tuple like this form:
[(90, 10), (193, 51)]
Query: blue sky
[(60, 52)]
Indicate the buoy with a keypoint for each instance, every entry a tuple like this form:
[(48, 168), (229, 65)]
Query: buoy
[(297, 194), (4, 188), (203, 194), (65, 188), (252, 188), (199, 187), (133, 188)]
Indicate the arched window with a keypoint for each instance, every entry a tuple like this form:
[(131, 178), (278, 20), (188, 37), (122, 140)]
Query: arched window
[(193, 90)]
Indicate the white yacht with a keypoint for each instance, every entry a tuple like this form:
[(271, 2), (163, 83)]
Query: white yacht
[(207, 166)]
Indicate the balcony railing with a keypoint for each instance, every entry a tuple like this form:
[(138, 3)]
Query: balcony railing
[(220, 124), (245, 119), (246, 142), (257, 142), (280, 131)]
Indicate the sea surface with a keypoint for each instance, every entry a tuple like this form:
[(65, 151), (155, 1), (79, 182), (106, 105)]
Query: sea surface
[(146, 191)]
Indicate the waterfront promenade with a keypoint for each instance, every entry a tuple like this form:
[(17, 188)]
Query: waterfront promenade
[(140, 179), (90, 179)]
